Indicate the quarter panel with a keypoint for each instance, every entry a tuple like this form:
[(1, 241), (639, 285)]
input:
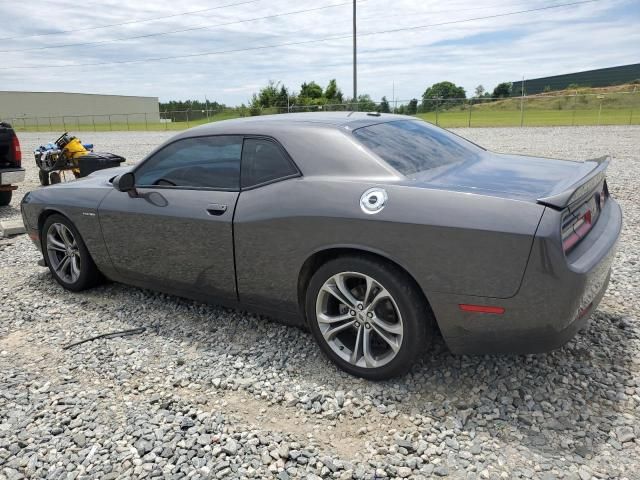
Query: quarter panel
[(448, 241), (77, 201)]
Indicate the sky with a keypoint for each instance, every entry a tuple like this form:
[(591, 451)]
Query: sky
[(469, 49)]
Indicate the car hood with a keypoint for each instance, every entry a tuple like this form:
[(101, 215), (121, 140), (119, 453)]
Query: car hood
[(519, 177)]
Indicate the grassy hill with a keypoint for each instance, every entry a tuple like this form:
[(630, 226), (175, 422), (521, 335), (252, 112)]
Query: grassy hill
[(617, 105)]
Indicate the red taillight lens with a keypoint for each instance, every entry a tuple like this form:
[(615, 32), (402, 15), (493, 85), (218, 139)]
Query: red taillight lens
[(17, 152), (576, 231)]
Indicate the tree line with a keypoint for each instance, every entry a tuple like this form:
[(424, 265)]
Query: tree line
[(275, 97)]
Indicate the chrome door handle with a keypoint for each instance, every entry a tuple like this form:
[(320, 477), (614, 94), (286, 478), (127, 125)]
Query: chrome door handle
[(216, 209)]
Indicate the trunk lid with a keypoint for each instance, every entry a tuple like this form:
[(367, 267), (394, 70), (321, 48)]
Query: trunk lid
[(547, 181)]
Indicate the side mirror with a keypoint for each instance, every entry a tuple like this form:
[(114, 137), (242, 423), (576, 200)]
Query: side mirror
[(125, 182)]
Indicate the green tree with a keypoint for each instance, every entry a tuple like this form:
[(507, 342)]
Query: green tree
[(412, 106), (267, 97), (310, 90), (366, 104), (332, 93), (502, 90), (442, 91), (384, 106)]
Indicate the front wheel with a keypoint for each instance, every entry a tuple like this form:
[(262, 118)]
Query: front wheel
[(368, 317), (67, 256)]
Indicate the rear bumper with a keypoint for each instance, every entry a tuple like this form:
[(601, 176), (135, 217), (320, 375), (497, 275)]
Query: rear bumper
[(11, 175), (556, 298)]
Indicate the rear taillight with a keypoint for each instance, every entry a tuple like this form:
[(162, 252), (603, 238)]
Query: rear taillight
[(575, 229), (17, 152)]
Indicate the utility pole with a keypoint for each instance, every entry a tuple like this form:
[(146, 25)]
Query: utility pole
[(522, 103), (393, 96), (355, 67)]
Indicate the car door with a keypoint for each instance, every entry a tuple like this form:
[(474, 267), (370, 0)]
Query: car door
[(175, 233)]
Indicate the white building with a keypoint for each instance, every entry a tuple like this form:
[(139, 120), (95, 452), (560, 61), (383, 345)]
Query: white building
[(57, 108)]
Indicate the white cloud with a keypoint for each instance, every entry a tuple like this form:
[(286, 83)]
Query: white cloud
[(593, 35)]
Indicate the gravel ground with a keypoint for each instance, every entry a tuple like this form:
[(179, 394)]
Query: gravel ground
[(208, 392)]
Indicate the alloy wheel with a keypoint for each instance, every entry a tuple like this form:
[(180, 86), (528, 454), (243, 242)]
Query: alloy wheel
[(63, 252), (359, 319)]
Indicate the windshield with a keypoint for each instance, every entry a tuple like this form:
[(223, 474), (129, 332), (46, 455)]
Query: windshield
[(413, 146)]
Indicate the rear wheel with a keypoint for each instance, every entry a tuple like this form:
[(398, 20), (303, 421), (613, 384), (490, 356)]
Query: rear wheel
[(5, 197), (367, 316), (55, 178), (67, 256)]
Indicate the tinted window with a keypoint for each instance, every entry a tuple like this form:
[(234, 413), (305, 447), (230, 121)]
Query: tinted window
[(263, 161), (412, 146), (203, 162)]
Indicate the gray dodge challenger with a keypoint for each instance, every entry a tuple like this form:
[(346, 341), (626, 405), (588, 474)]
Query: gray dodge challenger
[(373, 231)]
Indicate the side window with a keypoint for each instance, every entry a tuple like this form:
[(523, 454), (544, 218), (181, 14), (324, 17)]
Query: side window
[(263, 161), (199, 162)]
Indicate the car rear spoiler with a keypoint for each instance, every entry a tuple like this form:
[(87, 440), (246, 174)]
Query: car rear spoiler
[(580, 188)]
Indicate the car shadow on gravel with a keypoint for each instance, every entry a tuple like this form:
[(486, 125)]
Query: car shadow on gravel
[(559, 404)]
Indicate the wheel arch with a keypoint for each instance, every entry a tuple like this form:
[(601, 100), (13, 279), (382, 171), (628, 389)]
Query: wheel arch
[(322, 256), (42, 218), (46, 213)]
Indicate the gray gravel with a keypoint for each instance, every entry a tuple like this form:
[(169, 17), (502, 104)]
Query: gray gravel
[(208, 392)]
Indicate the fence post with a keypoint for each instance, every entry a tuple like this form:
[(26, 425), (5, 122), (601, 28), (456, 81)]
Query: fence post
[(470, 107), (93, 121), (187, 118), (127, 117), (631, 117), (146, 124), (64, 124), (437, 108), (110, 126), (37, 124), (50, 126), (599, 112), (522, 110), (573, 116), (78, 123)]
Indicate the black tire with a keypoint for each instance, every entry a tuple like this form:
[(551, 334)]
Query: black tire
[(44, 178), (5, 197), (417, 318), (55, 178), (89, 275)]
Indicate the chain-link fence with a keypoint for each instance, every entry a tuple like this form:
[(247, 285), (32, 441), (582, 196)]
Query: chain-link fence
[(621, 108)]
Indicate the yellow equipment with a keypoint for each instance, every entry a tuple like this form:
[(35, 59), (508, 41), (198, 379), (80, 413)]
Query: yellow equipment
[(72, 149), (68, 153)]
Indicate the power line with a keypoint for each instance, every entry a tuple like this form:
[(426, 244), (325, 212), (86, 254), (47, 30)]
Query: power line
[(130, 22), (187, 29), (206, 27), (302, 42)]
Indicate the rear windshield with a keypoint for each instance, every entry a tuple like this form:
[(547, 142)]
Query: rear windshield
[(413, 146)]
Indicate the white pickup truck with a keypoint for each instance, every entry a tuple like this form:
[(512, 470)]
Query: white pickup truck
[(11, 171)]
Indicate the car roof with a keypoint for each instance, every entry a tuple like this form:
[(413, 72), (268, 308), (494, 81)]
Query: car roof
[(351, 119)]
